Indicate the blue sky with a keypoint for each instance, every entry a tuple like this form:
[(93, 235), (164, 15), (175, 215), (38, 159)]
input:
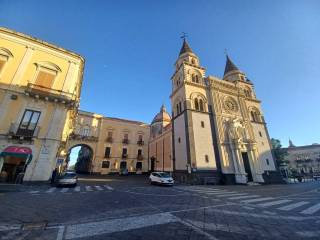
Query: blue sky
[(130, 48)]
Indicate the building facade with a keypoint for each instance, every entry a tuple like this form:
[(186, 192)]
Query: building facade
[(39, 94), (218, 128), (160, 143), (116, 145), (303, 159)]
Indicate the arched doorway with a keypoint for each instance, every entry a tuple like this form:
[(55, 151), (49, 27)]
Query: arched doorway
[(79, 159)]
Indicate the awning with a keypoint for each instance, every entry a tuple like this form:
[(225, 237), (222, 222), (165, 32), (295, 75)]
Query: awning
[(17, 151)]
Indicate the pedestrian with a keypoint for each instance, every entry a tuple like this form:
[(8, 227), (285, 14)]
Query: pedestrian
[(53, 176)]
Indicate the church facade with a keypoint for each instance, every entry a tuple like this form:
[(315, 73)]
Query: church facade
[(218, 131)]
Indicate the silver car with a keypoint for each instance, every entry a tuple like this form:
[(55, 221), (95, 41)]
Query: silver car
[(67, 179)]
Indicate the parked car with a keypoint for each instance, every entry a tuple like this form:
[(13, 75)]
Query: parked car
[(67, 179), (123, 171), (161, 178), (316, 176)]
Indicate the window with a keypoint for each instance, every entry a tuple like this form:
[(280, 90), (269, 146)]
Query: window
[(202, 124), (180, 109), (105, 164), (125, 136), (85, 131), (140, 137), (179, 140), (177, 109), (139, 152), (110, 134), (139, 166), (192, 61), (124, 152), (260, 134), (123, 165), (255, 116), (45, 78), (107, 152), (201, 105), (267, 160), (206, 158), (193, 78), (2, 63), (29, 122), (196, 104), (197, 79)]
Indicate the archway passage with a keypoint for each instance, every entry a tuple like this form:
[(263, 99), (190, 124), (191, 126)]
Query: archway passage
[(80, 159)]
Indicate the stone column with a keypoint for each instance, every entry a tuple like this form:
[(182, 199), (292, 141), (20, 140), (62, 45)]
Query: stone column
[(255, 164), (240, 173)]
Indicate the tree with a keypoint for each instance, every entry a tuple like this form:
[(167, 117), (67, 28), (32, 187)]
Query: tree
[(278, 151)]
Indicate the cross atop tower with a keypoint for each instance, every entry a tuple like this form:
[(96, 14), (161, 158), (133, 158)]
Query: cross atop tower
[(184, 36)]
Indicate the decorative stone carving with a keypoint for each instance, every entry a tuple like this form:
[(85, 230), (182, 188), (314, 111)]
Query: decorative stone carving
[(230, 105)]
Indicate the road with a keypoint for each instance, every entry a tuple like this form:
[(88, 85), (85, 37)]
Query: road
[(129, 208)]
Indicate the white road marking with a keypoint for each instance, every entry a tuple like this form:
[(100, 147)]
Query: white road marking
[(63, 190), (218, 193), (117, 225), (308, 234), (77, 189), (312, 209), (232, 194), (268, 204), (88, 188), (293, 206), (108, 187), (51, 190), (256, 200), (243, 197), (33, 192), (228, 228), (60, 233), (98, 188), (198, 229)]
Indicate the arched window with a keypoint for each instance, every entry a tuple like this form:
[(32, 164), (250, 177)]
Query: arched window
[(5, 54), (192, 61), (180, 108), (255, 116), (196, 104), (193, 78), (247, 93), (177, 108), (197, 79), (201, 105)]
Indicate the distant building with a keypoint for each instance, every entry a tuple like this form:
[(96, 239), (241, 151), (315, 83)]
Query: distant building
[(39, 95), (109, 145), (303, 159)]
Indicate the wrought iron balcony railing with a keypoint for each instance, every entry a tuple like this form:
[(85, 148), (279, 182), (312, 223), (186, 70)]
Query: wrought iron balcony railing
[(16, 132)]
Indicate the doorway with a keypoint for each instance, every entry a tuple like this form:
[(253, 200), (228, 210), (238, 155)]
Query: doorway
[(152, 164), (246, 164)]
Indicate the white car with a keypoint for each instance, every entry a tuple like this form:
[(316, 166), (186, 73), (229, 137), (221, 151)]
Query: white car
[(161, 178), (67, 178)]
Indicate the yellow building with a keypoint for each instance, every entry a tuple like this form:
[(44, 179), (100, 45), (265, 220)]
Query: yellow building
[(39, 94), (115, 145)]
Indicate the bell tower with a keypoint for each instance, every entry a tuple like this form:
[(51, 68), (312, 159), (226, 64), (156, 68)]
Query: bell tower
[(193, 151)]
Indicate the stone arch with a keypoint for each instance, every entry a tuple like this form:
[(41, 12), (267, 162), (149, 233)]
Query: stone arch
[(255, 115), (199, 101), (84, 162)]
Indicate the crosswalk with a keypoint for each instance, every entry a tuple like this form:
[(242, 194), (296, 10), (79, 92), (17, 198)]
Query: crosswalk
[(77, 189), (282, 204)]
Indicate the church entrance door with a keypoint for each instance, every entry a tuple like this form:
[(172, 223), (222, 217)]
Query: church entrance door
[(246, 164)]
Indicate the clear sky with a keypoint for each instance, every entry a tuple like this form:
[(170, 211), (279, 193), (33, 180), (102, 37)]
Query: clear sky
[(130, 48)]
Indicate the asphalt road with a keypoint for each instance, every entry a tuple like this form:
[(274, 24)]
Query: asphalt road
[(129, 208)]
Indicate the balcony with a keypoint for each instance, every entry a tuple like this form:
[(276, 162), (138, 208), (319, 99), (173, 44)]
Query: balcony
[(15, 132), (49, 94), (124, 155), (74, 136), (125, 141), (109, 140), (139, 157), (140, 142)]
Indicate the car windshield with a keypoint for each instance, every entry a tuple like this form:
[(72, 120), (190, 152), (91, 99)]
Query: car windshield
[(164, 175), (69, 175)]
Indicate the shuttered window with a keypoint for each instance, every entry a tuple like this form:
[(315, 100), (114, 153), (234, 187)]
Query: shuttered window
[(45, 79)]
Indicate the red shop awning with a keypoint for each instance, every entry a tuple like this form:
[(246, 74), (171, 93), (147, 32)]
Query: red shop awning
[(17, 151)]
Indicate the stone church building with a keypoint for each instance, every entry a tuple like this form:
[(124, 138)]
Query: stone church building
[(217, 129)]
